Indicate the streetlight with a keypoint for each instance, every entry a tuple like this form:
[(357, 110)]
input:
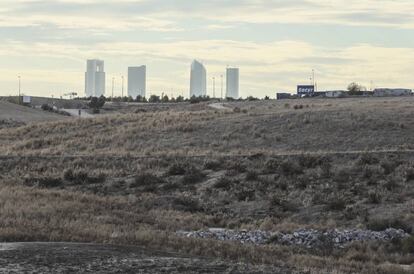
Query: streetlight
[(19, 87), (214, 87), (122, 86), (221, 76), (113, 82)]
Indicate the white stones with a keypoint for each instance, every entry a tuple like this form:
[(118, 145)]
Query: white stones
[(303, 237)]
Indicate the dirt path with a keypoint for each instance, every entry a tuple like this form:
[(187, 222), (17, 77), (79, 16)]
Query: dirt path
[(219, 106), (92, 258), (75, 113)]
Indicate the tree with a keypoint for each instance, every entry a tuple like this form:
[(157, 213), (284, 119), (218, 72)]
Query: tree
[(165, 99), (154, 99), (179, 99), (97, 103), (251, 98), (356, 89)]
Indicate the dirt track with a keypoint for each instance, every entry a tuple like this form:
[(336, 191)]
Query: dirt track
[(91, 258)]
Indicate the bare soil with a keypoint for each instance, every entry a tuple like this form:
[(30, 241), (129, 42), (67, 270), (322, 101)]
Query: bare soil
[(93, 258)]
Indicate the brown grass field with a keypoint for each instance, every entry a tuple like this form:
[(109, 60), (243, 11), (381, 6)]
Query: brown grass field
[(140, 176)]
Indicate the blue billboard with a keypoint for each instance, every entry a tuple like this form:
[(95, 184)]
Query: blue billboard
[(306, 89)]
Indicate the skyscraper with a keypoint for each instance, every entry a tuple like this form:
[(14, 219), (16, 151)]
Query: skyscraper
[(232, 83), (94, 78), (137, 81), (198, 80)]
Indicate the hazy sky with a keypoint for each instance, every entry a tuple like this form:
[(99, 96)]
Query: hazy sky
[(276, 43)]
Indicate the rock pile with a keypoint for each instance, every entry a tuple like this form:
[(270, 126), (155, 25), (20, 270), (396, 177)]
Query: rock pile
[(305, 237), (338, 238), (245, 237)]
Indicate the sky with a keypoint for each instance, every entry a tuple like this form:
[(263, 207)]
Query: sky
[(275, 43)]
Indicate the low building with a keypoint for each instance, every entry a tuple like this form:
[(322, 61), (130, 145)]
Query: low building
[(380, 92), (319, 94), (283, 96), (335, 93)]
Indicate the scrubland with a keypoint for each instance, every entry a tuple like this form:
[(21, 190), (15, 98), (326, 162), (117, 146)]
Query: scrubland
[(137, 178)]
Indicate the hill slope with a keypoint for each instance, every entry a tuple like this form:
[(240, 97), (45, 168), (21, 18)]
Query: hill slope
[(266, 127), (21, 114), (138, 178)]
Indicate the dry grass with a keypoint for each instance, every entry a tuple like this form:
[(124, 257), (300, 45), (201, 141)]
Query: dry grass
[(131, 179), (357, 124), (45, 215)]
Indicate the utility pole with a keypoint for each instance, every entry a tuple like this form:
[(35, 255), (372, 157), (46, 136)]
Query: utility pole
[(313, 78), (19, 87), (221, 76), (214, 87), (122, 92), (113, 82)]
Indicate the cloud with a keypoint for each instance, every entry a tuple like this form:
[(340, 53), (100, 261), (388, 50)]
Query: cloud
[(166, 15), (45, 39)]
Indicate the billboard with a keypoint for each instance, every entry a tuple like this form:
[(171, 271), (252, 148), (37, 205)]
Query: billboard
[(27, 99), (306, 89)]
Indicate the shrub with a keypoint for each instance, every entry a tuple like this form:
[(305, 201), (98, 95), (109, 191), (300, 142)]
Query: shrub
[(388, 166), (81, 177), (46, 107), (68, 175), (282, 185), (146, 179), (290, 168), (193, 175), (409, 174), (302, 182), (224, 183), (336, 203), (374, 197), (309, 161), (383, 224), (176, 169), (251, 175), (45, 182), (391, 184), (185, 203), (245, 194), (407, 245), (213, 165), (342, 175), (170, 186), (284, 204), (272, 165), (367, 159), (239, 167)]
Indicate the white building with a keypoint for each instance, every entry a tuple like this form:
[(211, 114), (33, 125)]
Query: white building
[(232, 83), (137, 78), (335, 93), (95, 78), (392, 92), (198, 79)]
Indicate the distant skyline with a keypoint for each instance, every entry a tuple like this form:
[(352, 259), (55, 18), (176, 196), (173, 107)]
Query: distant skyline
[(276, 43)]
